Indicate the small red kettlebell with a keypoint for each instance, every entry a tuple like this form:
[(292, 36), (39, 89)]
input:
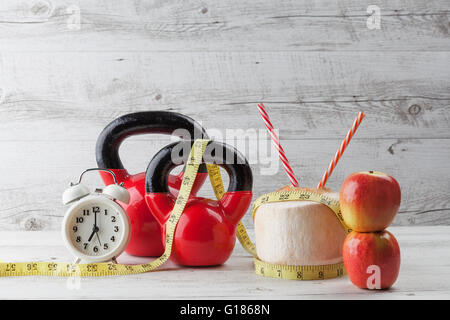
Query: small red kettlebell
[(206, 232), (145, 237)]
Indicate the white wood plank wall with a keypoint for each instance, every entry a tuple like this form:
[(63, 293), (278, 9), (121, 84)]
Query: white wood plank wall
[(314, 64)]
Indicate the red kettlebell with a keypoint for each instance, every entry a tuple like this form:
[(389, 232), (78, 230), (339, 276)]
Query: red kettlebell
[(146, 236), (206, 232)]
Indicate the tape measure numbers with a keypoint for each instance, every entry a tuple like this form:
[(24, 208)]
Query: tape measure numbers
[(192, 166), (318, 272)]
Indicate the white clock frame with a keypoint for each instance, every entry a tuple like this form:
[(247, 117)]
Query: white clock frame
[(101, 200)]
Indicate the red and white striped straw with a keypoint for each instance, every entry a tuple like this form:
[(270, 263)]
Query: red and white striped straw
[(341, 150), (276, 143)]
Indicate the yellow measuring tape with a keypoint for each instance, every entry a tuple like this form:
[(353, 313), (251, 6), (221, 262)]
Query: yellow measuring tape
[(298, 272), (292, 272), (109, 269), (192, 166)]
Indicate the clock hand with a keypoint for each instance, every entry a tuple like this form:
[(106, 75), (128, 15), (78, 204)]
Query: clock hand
[(95, 228), (98, 237), (94, 231)]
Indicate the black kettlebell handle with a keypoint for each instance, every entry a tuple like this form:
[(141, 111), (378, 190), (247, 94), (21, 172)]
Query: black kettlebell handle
[(227, 157), (157, 122)]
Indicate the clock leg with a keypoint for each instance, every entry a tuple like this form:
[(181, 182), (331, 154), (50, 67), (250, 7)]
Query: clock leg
[(114, 260), (77, 260)]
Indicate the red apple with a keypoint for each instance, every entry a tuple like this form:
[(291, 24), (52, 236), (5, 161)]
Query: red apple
[(369, 200), (372, 260)]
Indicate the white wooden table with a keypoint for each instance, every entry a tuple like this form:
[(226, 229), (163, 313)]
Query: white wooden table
[(424, 274)]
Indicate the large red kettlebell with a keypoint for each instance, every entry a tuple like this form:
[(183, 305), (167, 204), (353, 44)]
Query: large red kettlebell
[(145, 230), (206, 232)]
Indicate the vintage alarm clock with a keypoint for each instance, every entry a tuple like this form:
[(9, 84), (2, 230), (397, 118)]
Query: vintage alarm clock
[(95, 227)]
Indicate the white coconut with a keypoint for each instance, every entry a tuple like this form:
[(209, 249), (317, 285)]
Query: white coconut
[(298, 233)]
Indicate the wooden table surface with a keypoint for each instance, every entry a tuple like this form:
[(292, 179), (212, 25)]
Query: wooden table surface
[(424, 274)]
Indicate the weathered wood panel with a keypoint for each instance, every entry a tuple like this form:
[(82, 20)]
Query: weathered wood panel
[(52, 25), (35, 174), (314, 64), (310, 95)]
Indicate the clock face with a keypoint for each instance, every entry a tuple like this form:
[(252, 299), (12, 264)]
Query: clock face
[(96, 229)]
